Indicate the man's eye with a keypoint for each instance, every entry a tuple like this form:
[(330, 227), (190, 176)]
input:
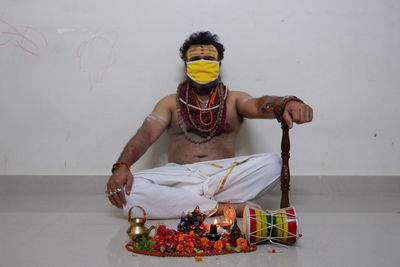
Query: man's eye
[(194, 58), (210, 58)]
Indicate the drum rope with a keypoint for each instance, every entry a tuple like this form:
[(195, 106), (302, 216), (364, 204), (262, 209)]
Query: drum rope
[(275, 241)]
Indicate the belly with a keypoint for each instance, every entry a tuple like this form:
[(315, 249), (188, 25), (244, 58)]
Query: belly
[(184, 152), (195, 158)]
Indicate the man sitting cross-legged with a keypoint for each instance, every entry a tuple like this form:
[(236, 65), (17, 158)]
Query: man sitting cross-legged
[(202, 119)]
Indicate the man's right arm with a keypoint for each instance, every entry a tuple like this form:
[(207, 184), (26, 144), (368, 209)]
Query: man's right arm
[(152, 128)]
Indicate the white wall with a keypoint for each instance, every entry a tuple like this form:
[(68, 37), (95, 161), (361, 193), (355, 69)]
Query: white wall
[(78, 77)]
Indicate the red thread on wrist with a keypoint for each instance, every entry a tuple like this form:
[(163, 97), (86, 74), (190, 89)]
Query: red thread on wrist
[(117, 164)]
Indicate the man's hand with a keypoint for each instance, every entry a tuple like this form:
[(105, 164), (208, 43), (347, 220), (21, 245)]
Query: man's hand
[(120, 177), (297, 112)]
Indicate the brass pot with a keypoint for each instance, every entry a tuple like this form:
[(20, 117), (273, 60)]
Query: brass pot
[(137, 229)]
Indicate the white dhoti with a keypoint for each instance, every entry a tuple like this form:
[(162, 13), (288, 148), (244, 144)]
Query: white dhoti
[(167, 191)]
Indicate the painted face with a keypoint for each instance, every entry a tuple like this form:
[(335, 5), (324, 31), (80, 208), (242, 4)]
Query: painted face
[(196, 52), (202, 64)]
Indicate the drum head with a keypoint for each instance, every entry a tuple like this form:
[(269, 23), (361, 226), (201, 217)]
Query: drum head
[(246, 222)]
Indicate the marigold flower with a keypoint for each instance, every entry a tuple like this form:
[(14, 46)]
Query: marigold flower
[(192, 233), (204, 241), (242, 243), (189, 244), (218, 245), (180, 247), (181, 237)]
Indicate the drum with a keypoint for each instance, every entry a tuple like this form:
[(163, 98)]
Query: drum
[(278, 225)]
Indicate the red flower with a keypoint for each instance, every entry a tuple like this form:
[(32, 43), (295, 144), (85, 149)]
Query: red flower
[(161, 230), (192, 233), (169, 232)]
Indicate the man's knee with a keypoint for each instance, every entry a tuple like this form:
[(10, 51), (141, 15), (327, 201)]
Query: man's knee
[(271, 170), (277, 164), (272, 163)]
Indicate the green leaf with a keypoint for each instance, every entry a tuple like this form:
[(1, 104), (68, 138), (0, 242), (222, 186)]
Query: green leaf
[(145, 244), (229, 248)]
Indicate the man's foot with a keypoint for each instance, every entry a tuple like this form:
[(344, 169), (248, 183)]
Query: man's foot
[(239, 207)]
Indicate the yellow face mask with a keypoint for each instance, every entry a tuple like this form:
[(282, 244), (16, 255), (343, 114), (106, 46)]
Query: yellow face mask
[(202, 71)]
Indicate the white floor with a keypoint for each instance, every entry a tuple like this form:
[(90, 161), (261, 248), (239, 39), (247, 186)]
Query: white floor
[(346, 221)]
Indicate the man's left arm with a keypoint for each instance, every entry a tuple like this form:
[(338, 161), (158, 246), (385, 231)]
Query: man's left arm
[(263, 108)]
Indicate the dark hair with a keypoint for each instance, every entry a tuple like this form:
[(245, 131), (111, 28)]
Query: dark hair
[(205, 38)]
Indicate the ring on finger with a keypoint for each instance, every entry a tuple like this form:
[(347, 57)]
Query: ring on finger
[(118, 190)]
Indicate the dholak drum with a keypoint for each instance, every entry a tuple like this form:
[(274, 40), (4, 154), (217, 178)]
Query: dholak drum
[(278, 225)]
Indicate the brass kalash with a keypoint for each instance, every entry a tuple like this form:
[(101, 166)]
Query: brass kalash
[(137, 228)]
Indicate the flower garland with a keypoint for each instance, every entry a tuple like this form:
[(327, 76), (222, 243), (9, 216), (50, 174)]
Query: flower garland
[(169, 242)]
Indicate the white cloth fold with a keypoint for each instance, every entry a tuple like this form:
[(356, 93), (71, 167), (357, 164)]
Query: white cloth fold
[(169, 190)]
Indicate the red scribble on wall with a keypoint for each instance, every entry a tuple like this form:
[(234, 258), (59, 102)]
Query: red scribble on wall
[(28, 39)]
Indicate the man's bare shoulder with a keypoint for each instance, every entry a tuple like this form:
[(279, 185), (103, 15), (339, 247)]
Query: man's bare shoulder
[(239, 96), (169, 98), (167, 101), (165, 107)]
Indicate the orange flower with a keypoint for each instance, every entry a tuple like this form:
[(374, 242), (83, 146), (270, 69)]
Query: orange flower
[(189, 246), (204, 241), (180, 247), (192, 233), (182, 237), (218, 245), (242, 243)]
